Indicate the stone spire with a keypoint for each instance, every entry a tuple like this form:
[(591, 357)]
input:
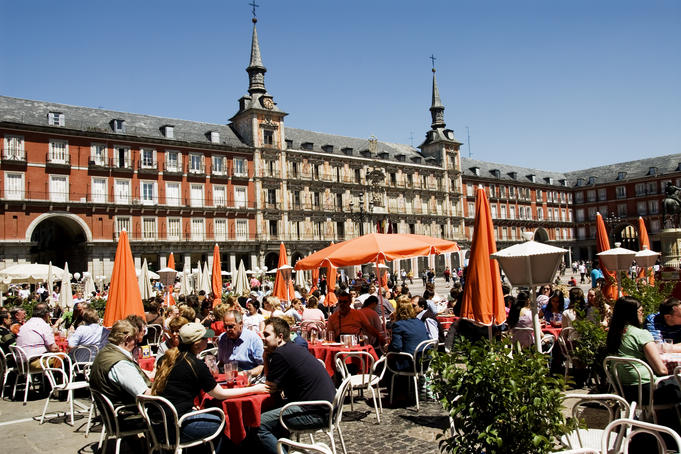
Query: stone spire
[(256, 71), (437, 110)]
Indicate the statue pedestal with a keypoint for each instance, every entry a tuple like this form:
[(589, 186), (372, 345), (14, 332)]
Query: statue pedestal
[(671, 248)]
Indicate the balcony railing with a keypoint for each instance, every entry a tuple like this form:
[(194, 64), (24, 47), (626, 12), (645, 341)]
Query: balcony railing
[(196, 168), (121, 163), (147, 166), (58, 158), (14, 154)]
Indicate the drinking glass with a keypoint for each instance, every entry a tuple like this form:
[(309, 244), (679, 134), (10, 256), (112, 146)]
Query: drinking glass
[(330, 336), (313, 336)]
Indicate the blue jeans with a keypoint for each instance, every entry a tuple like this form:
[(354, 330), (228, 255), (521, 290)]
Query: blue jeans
[(271, 430), (201, 426)]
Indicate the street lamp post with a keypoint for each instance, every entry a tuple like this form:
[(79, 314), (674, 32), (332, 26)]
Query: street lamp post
[(612, 220), (360, 213)]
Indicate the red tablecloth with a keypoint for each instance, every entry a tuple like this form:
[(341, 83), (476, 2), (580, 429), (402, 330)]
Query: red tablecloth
[(447, 320), (327, 353), (62, 343), (551, 330), (241, 412), (147, 363)]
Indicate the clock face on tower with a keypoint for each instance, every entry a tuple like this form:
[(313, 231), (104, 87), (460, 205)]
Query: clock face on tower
[(267, 103)]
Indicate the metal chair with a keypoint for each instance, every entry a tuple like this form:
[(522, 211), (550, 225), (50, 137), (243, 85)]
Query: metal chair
[(567, 348), (82, 355), (591, 408), (163, 424), (333, 423), (23, 369), (154, 336), (317, 448), (209, 351), (366, 378), (548, 341), (417, 362), (631, 428), (118, 422), (59, 372), (313, 325), (5, 369)]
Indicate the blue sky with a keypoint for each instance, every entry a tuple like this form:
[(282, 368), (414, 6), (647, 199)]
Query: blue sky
[(556, 85)]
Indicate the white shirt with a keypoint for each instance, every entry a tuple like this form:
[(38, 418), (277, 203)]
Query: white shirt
[(125, 374), (431, 325)]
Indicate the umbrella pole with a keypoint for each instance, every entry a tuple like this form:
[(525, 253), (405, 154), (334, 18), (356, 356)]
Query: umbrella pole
[(533, 302), (380, 295)]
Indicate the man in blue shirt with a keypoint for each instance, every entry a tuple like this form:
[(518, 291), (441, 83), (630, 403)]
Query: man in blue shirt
[(666, 324), (243, 346)]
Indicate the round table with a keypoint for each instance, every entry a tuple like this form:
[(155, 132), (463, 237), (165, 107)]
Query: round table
[(447, 320), (241, 412), (62, 343), (548, 329), (327, 353)]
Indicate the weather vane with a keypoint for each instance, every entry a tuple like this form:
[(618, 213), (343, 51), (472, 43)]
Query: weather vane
[(254, 5), (432, 58)]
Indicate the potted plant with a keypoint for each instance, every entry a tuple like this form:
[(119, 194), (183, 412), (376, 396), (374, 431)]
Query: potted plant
[(499, 398)]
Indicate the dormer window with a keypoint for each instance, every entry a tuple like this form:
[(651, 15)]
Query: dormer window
[(652, 171), (327, 148), (548, 180), (400, 157), (346, 151), (621, 175), (289, 144), (416, 159), (306, 146), (383, 155), (563, 182), (56, 119), (592, 180), (532, 177), (496, 173), (476, 171), (118, 125), (169, 131), (214, 137), (580, 181), (365, 153), (513, 175)]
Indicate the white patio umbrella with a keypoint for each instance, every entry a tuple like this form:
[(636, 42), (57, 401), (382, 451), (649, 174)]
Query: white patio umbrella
[(144, 283), (88, 285), (184, 283), (197, 275), (240, 283), (645, 257), (29, 273), (150, 273), (66, 293), (205, 279), (50, 282), (530, 264), (300, 279), (617, 260)]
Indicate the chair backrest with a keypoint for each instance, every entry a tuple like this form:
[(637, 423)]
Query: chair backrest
[(154, 334), (338, 400), (206, 352), (107, 411), (631, 428), (301, 447), (566, 342), (615, 365), (585, 409), (422, 354), (548, 341), (312, 325), (83, 354), (3, 362), (57, 368), (20, 359), (363, 359), (161, 418)]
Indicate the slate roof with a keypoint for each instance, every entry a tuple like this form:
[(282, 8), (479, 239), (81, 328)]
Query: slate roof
[(505, 172), (634, 169), (31, 112)]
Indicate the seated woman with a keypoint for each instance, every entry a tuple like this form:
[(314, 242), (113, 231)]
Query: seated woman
[(181, 377), (552, 313), (253, 319), (576, 306), (597, 309), (407, 331), (520, 320), (89, 332), (627, 339), (311, 312), (296, 310)]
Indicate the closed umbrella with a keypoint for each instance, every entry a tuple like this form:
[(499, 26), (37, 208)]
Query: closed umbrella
[(240, 282), (89, 285), (144, 283), (205, 279), (124, 292), (602, 245), (315, 279), (483, 300), (644, 243), (66, 293), (216, 281), (171, 261), (196, 282), (300, 279), (283, 287), (50, 283), (184, 282), (331, 298)]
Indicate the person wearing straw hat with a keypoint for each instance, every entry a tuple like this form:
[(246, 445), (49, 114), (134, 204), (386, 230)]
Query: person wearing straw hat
[(181, 376)]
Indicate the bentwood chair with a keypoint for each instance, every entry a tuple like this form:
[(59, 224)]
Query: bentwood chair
[(59, 372), (333, 423), (118, 422), (631, 428), (154, 336), (368, 376), (418, 364), (317, 448), (163, 424), (23, 369), (5, 369)]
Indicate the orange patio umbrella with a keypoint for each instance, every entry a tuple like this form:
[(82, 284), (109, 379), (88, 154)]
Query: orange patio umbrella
[(170, 301), (483, 300), (171, 261), (315, 279), (124, 292), (280, 289), (216, 276), (603, 244), (644, 242), (331, 298)]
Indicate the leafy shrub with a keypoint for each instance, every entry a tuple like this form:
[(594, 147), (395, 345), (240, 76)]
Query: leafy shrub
[(650, 296), (501, 400)]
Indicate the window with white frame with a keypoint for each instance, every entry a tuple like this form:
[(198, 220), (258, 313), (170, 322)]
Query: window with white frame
[(148, 158), (173, 161), (195, 163), (218, 165), (641, 207), (58, 151), (148, 192), (99, 190), (240, 199), (513, 233), (569, 213), (149, 231), (540, 213), (493, 211), (549, 213), (242, 229), (653, 206), (196, 195), (240, 169), (122, 191), (14, 186), (14, 147), (470, 190), (219, 195), (59, 188), (220, 228), (121, 157), (173, 196), (198, 229), (214, 137), (602, 194), (503, 211), (56, 119), (555, 214), (174, 229), (123, 223), (471, 210), (621, 192), (98, 154), (511, 212)]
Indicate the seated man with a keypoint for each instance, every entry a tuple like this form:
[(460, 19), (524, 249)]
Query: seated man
[(36, 336), (346, 320), (666, 324), (293, 370), (243, 346), (114, 373)]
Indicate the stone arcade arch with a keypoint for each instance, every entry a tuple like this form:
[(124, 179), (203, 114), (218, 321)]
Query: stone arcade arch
[(541, 235), (59, 238)]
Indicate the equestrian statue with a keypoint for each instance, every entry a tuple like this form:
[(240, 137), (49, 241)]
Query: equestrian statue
[(671, 206)]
